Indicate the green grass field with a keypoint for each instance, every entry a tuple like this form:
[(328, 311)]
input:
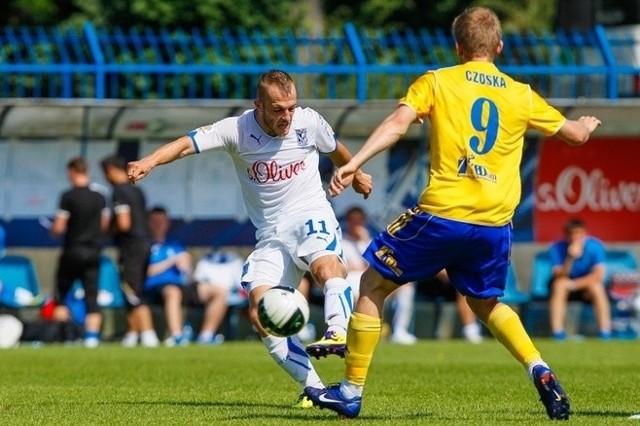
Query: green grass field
[(433, 382)]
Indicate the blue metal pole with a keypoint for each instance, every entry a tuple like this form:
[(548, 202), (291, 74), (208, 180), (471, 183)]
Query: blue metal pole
[(361, 60), (610, 61), (94, 45)]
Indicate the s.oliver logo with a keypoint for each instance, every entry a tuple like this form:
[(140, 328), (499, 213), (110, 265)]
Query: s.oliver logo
[(271, 171), (576, 189), (597, 182)]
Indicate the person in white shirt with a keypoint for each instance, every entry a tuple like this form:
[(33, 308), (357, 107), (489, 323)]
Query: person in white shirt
[(275, 148), (355, 241), (216, 277)]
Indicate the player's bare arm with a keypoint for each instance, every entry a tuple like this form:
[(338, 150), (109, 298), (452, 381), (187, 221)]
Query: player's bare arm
[(59, 225), (362, 182), (179, 148), (577, 132), (385, 135)]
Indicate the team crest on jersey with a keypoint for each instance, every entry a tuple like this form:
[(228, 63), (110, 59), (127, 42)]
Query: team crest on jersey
[(301, 134)]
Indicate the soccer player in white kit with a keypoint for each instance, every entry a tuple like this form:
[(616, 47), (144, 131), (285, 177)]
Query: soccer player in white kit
[(275, 148)]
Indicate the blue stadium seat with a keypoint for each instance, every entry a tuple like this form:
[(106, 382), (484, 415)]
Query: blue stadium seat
[(623, 283), (19, 285), (512, 293), (540, 276), (619, 261), (75, 303), (109, 291)]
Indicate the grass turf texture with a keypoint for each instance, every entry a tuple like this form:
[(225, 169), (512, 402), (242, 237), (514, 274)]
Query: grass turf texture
[(434, 382)]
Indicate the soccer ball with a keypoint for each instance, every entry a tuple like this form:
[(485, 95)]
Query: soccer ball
[(283, 311)]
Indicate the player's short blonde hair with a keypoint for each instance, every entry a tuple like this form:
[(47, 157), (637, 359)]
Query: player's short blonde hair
[(277, 78), (478, 33)]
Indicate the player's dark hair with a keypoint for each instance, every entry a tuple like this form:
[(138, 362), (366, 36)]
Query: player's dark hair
[(355, 210), (158, 209), (574, 223), (78, 164), (114, 161)]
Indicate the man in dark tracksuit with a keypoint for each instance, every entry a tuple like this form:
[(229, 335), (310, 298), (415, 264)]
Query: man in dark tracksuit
[(131, 236), (82, 217)]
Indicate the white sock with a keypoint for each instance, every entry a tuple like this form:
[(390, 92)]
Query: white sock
[(338, 304), (149, 334), (533, 364), (349, 390), (403, 312), (289, 353), (205, 336), (472, 331)]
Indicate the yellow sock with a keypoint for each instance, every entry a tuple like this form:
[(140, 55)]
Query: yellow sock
[(506, 326), (362, 338)]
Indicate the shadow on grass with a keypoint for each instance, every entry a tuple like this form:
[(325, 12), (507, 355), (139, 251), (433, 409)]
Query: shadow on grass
[(283, 411), (601, 413), (243, 404)]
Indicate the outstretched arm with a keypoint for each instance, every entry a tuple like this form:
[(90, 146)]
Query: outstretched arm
[(385, 135), (577, 132), (167, 153), (362, 182)]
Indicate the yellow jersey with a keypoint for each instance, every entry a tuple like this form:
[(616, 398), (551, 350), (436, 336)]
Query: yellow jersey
[(478, 117)]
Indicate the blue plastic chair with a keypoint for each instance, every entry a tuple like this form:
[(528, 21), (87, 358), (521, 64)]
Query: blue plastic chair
[(541, 273), (19, 285), (75, 303), (619, 261), (109, 291), (512, 294)]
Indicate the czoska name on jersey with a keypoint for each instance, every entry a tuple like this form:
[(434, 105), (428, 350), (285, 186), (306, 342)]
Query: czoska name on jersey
[(486, 79)]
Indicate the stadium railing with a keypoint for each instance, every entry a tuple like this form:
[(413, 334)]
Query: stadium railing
[(345, 63)]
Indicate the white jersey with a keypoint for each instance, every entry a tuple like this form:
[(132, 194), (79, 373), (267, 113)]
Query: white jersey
[(220, 268), (356, 263), (353, 251), (279, 176)]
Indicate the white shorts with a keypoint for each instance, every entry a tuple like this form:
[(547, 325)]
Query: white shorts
[(283, 255), (221, 269)]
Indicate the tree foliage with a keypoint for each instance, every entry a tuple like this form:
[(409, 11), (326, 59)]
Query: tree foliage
[(517, 15), (155, 13), (524, 15), (395, 13)]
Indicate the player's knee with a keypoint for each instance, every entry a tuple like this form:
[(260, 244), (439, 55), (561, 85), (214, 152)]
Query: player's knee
[(482, 308), (325, 269), (374, 285), (562, 286)]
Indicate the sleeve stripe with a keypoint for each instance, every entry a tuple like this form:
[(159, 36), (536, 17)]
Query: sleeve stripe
[(192, 136)]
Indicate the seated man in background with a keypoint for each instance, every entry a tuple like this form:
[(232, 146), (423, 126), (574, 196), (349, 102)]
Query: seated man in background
[(355, 240), (217, 274), (168, 271), (578, 274)]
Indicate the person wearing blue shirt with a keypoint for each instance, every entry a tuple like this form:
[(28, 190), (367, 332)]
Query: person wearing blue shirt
[(3, 247), (578, 271), (168, 271)]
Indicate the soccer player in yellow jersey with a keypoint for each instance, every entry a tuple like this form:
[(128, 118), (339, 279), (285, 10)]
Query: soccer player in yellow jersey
[(462, 222)]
